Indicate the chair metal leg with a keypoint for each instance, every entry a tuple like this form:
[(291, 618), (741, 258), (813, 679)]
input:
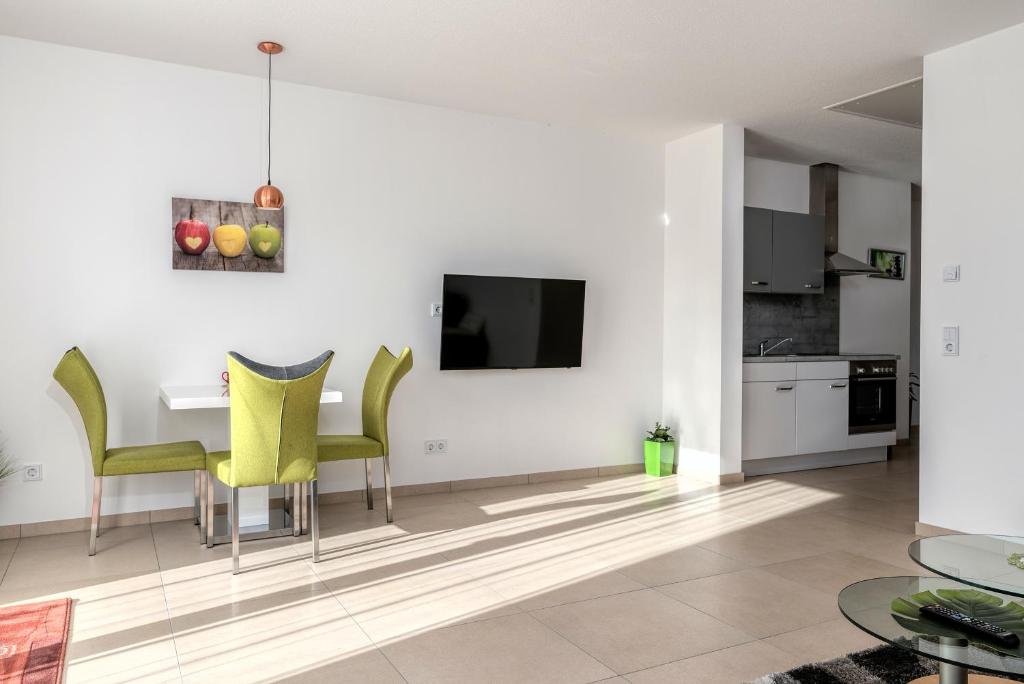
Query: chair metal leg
[(296, 508), (387, 490), (369, 483), (234, 530), (201, 495), (314, 508), (94, 528), (304, 524), (211, 511), (197, 487)]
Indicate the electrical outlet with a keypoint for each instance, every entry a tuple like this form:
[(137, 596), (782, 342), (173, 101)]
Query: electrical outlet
[(33, 472), (430, 446), (435, 310), (442, 446)]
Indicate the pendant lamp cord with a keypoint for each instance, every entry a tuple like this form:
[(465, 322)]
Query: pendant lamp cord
[(270, 61)]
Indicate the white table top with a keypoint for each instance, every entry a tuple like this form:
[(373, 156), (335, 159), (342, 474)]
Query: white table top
[(216, 396)]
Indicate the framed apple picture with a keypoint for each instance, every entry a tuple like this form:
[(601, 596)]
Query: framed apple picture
[(208, 235)]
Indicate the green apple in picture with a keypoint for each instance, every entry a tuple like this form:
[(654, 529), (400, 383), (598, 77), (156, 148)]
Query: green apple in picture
[(265, 240)]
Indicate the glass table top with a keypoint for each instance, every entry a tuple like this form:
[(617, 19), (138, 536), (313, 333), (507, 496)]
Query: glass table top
[(976, 559), (886, 607)]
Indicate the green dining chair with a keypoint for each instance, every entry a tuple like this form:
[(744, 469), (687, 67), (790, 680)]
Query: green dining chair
[(77, 377), (382, 378), (274, 416)]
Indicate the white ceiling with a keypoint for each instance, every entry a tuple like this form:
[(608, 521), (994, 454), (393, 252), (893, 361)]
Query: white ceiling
[(655, 68)]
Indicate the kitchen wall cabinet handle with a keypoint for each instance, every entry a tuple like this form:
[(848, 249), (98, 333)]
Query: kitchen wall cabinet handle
[(810, 286), (758, 282), (784, 388), (837, 385)]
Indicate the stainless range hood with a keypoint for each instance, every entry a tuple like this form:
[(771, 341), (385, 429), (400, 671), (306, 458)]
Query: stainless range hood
[(842, 265), (824, 201)]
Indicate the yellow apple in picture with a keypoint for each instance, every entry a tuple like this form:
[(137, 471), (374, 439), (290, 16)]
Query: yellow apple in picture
[(229, 239), (265, 240)]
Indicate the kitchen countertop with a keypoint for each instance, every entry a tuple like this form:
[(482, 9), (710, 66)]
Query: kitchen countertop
[(798, 358)]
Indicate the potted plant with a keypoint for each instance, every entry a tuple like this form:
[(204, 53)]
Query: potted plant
[(659, 451)]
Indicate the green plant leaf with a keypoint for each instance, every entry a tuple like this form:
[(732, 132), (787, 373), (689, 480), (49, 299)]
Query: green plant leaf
[(1004, 613)]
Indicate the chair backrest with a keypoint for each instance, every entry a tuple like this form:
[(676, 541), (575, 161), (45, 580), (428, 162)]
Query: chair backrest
[(381, 380), (274, 415), (76, 376)]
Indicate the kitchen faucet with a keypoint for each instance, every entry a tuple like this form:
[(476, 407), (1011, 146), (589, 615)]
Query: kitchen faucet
[(781, 341)]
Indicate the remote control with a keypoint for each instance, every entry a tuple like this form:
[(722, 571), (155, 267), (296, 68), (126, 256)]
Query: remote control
[(970, 625)]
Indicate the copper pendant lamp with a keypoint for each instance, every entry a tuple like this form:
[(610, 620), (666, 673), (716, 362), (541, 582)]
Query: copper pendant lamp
[(267, 196)]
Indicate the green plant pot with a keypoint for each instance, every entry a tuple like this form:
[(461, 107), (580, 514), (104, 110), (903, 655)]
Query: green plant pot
[(659, 457)]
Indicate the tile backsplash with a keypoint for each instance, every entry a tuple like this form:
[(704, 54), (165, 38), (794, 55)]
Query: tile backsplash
[(811, 320)]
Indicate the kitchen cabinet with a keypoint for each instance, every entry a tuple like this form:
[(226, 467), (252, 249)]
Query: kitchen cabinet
[(798, 253), (783, 252), (822, 415), (795, 408), (757, 249), (769, 419)]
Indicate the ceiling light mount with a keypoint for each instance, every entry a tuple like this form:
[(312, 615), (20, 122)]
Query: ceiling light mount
[(269, 47), (267, 196)]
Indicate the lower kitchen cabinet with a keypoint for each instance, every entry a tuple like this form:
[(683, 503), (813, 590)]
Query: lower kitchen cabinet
[(822, 415), (769, 419)]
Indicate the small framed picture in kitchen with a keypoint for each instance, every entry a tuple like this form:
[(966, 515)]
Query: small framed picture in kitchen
[(892, 264)]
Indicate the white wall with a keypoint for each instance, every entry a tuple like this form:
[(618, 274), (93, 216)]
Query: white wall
[(771, 184), (383, 197), (874, 314), (702, 366), (972, 181)]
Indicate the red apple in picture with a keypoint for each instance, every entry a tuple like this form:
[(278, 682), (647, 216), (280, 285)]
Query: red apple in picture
[(192, 235)]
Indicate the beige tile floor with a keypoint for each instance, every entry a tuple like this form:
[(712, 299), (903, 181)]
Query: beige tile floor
[(618, 579)]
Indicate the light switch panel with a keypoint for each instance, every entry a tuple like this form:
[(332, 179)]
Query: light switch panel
[(951, 340), (951, 273)]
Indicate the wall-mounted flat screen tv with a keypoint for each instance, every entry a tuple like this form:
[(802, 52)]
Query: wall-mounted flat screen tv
[(498, 322)]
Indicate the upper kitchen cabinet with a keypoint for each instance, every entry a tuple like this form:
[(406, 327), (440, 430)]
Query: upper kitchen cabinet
[(798, 253), (757, 249), (783, 252)]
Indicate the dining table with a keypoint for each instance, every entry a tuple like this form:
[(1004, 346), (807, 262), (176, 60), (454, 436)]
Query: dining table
[(258, 517)]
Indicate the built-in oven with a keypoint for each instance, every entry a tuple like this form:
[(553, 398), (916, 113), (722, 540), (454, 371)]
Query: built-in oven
[(872, 396)]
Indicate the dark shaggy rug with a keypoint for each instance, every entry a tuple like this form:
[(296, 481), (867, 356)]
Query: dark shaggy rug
[(879, 665)]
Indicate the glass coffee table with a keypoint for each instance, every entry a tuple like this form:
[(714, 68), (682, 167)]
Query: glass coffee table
[(873, 606), (980, 560)]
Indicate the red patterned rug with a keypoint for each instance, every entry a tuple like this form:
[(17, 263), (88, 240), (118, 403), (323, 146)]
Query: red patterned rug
[(34, 641)]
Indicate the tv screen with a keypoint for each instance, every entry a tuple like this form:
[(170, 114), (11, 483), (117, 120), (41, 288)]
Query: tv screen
[(496, 322)]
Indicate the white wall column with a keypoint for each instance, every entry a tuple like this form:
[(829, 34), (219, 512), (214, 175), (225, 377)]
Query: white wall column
[(703, 322), (971, 466)]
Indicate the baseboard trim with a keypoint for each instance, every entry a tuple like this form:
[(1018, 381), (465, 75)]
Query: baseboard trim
[(829, 459), (925, 530), (731, 478), (160, 515)]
